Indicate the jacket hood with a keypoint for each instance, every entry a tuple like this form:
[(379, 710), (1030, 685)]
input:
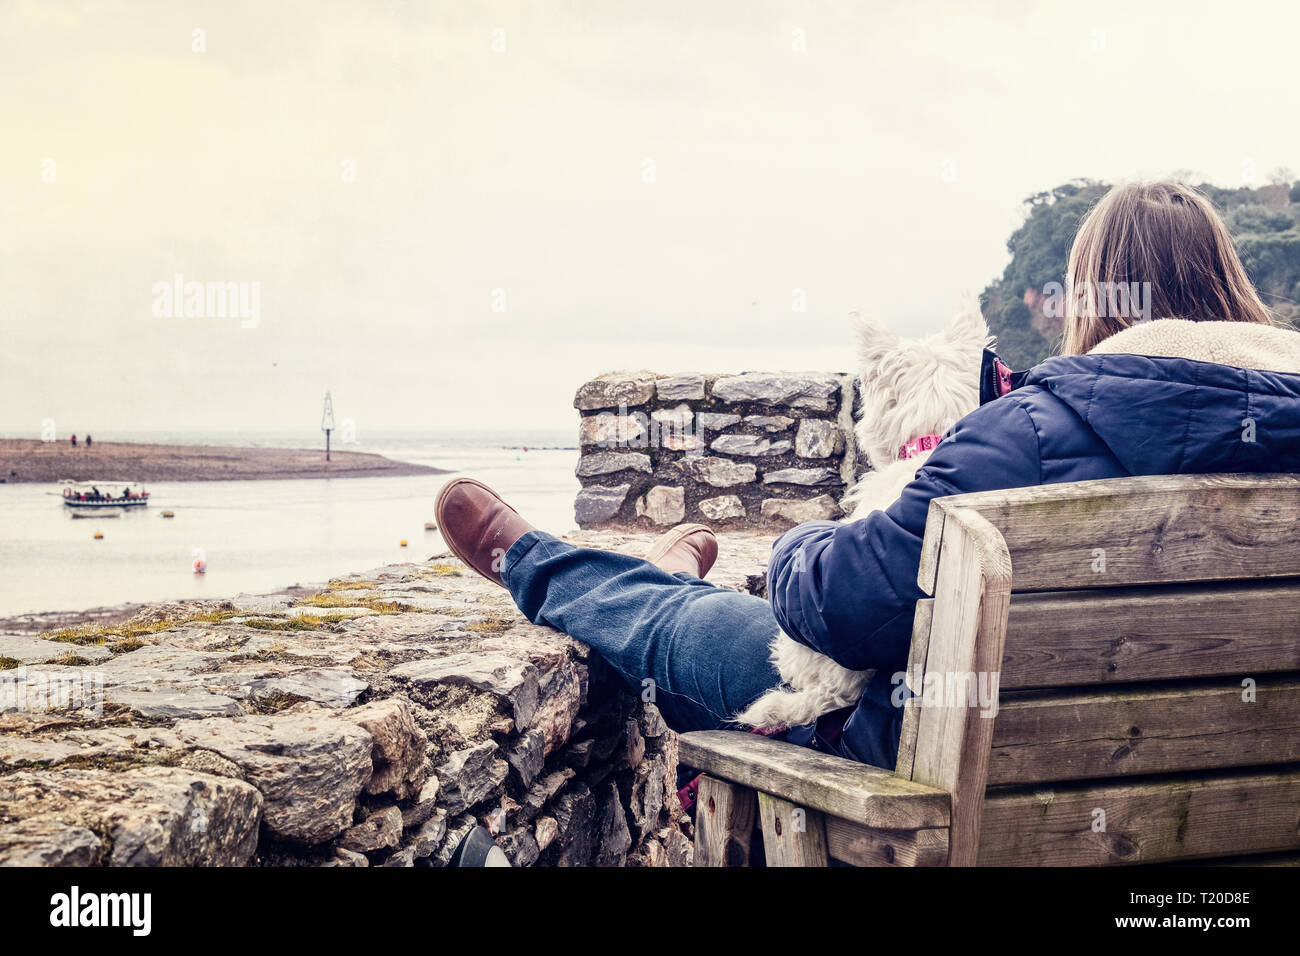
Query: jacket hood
[(1173, 396)]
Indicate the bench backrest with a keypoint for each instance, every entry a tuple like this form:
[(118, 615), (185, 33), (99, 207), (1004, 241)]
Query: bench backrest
[(1144, 635)]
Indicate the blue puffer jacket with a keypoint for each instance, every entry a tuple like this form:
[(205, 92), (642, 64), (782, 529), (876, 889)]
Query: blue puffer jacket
[(1069, 419)]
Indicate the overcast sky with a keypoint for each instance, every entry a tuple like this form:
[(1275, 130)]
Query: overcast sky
[(455, 213)]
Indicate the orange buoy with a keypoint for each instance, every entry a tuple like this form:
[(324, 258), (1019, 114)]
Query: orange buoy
[(403, 542), (99, 535)]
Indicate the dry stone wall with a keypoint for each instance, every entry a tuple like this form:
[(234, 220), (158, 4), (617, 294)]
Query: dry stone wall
[(370, 721), (760, 449)]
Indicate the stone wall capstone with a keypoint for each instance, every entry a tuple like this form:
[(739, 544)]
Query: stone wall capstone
[(758, 449)]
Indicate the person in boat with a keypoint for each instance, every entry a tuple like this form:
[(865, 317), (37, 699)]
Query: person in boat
[(126, 492), (96, 494)]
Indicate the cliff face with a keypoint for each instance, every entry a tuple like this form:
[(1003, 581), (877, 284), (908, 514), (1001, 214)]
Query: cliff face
[(371, 721), (762, 449)]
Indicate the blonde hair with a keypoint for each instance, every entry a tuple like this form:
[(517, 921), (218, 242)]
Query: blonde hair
[(1167, 240)]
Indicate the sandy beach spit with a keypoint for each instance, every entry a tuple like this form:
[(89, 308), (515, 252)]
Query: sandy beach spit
[(25, 460)]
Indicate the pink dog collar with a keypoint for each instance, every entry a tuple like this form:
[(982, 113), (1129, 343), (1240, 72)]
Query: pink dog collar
[(918, 445)]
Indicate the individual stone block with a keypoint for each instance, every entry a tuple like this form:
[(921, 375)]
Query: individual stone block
[(527, 756), (514, 681), (346, 858), (609, 462), (470, 775), (801, 476), (716, 421), (171, 703), (544, 831), (520, 846), (821, 508), (663, 504), (680, 441), (614, 389), (613, 839), (147, 816), (399, 745), (333, 687), (791, 390), (749, 445), (48, 843), (574, 812), (424, 806), (770, 423), (722, 508), (609, 429), (597, 503), (310, 768), (379, 831), (680, 388), (818, 439), (679, 417), (426, 840), (718, 472)]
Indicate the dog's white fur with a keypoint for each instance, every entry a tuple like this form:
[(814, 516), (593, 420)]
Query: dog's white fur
[(909, 388)]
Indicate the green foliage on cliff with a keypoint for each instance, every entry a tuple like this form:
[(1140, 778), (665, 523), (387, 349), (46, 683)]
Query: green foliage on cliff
[(1265, 224)]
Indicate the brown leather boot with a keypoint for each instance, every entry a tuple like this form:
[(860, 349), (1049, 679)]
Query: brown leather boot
[(478, 525), (688, 547)]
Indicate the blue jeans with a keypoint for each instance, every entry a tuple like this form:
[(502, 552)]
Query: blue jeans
[(704, 647)]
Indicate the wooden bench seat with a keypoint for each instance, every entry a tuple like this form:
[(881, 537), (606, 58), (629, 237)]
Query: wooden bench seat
[(1144, 636)]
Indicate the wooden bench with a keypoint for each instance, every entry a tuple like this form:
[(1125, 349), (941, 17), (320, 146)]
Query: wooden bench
[(1146, 636)]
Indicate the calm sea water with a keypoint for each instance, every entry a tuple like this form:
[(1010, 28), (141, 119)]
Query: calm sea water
[(262, 535)]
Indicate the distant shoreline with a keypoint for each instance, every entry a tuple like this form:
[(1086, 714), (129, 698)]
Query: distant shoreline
[(24, 460)]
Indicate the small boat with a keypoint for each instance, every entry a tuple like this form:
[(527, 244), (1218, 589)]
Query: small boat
[(103, 496)]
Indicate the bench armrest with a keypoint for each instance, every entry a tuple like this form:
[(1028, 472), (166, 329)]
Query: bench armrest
[(833, 785)]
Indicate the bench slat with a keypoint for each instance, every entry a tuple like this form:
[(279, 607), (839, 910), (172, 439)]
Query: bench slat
[(1151, 530), (842, 788), (724, 823), (868, 846), (1177, 727), (792, 835), (1145, 822), (1064, 638), (966, 638)]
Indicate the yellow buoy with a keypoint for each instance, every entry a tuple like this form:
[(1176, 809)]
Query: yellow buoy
[(99, 535), (403, 542)]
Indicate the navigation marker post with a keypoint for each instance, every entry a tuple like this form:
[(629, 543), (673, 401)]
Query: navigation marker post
[(327, 423)]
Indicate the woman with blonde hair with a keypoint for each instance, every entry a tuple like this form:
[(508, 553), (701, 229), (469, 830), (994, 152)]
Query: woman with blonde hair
[(1168, 356)]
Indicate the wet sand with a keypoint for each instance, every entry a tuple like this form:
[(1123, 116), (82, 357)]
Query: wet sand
[(32, 460)]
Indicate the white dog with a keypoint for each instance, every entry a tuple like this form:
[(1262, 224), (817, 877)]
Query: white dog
[(912, 392)]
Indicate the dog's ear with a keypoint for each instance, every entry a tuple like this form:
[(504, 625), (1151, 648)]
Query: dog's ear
[(875, 339), (968, 330)]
